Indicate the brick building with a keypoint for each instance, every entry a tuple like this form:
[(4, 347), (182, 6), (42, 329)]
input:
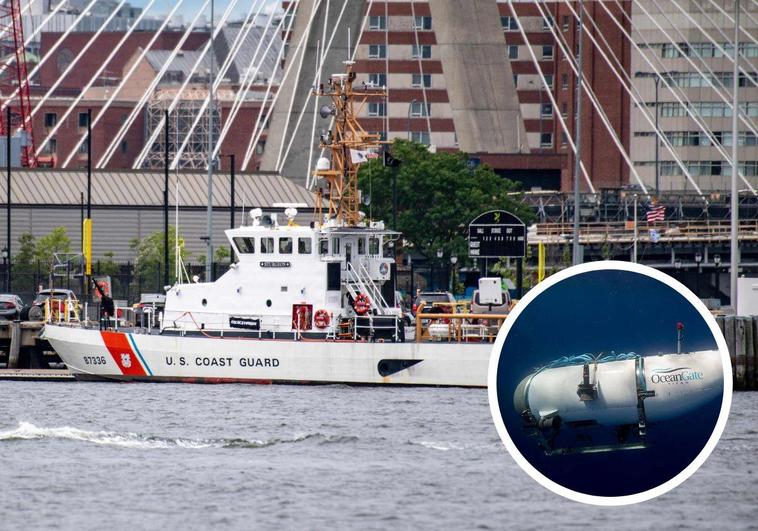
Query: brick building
[(459, 75)]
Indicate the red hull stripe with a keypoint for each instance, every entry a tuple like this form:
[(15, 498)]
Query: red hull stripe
[(122, 353)]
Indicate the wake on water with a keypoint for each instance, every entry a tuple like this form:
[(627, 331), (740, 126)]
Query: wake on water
[(28, 431)]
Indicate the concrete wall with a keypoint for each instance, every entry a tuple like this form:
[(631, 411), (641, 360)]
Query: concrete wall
[(298, 85), (480, 86)]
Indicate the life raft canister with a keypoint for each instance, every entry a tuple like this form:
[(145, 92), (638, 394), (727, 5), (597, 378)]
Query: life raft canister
[(321, 319), (362, 304)]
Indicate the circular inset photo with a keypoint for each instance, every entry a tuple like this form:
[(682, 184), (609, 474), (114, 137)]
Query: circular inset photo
[(610, 383)]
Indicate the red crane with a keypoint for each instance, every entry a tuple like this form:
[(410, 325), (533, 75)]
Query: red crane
[(14, 80)]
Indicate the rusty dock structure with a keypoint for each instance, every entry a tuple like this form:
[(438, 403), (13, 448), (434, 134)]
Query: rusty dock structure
[(24, 355)]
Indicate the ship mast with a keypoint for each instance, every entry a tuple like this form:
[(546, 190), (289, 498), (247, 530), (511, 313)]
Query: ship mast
[(348, 144)]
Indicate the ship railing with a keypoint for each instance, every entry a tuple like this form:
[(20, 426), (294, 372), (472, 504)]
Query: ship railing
[(361, 278), (269, 323), (59, 311), (455, 327), (376, 292), (372, 327)]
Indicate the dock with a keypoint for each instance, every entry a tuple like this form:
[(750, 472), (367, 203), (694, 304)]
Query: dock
[(38, 375), (22, 348)]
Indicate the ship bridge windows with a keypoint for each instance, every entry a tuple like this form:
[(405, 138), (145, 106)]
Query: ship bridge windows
[(245, 245), (304, 246), (373, 245), (361, 245), (285, 245), (335, 246), (267, 245), (323, 246)]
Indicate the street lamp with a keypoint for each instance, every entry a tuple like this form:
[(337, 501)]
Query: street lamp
[(657, 79), (439, 257), (698, 260), (453, 261), (410, 108), (4, 253)]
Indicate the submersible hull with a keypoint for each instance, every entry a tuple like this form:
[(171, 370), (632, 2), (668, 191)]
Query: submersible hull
[(631, 391)]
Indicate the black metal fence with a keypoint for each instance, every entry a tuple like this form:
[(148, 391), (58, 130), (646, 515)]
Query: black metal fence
[(127, 281)]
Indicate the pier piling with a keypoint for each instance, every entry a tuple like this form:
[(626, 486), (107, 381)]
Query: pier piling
[(15, 345), (741, 334)]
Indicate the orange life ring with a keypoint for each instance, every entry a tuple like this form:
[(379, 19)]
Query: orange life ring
[(362, 304), (321, 319)]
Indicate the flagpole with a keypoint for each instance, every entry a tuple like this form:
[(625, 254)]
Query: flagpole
[(634, 248)]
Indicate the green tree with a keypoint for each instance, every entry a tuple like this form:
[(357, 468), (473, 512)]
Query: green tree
[(24, 266), (106, 265), (222, 254), (27, 247), (57, 241), (438, 195), (148, 262)]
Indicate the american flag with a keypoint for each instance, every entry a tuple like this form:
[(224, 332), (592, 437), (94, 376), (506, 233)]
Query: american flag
[(656, 213)]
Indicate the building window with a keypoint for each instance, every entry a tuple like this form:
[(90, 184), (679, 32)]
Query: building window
[(267, 245), (547, 51), (549, 81), (565, 23), (260, 147), (423, 51), (564, 82), (377, 108), (83, 118), (377, 80), (377, 51), (124, 146), (51, 118), (564, 139), (51, 147), (547, 23), (515, 80), (422, 23), (546, 140), (83, 148), (547, 110), (564, 109), (509, 23), (419, 80), (512, 51), (422, 137), (419, 108), (377, 23)]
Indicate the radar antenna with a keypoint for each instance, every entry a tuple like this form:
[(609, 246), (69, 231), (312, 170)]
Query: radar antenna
[(348, 144)]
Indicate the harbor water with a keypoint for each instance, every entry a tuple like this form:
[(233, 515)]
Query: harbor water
[(147, 456)]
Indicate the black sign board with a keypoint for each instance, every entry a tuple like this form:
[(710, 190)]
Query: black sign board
[(244, 322), (496, 234)]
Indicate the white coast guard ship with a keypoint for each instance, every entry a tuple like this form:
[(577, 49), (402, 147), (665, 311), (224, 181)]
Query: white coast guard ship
[(305, 304)]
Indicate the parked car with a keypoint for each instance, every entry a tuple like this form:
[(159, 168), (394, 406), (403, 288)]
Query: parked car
[(430, 297), (37, 310), (11, 307)]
